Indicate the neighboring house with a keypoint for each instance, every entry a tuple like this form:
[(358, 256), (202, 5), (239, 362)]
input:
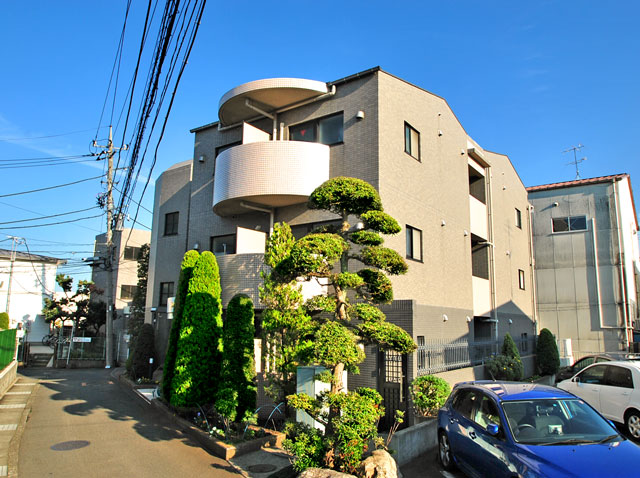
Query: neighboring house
[(464, 211), (25, 281), (126, 246), (586, 261)]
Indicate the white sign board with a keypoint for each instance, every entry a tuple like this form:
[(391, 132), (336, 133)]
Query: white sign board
[(82, 339)]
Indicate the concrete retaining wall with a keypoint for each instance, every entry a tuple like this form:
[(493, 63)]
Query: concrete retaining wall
[(414, 441), (8, 377)]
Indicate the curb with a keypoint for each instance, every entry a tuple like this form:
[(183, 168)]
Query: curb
[(14, 444)]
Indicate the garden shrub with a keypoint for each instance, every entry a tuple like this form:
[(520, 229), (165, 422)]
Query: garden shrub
[(145, 350), (239, 369), (306, 444), (199, 350), (502, 367), (186, 269), (547, 355), (429, 393), (4, 321)]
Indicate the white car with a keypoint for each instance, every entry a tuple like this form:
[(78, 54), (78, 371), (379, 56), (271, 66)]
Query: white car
[(612, 388)]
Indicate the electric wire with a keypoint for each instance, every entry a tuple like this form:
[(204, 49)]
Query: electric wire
[(53, 223), (49, 217), (50, 187)]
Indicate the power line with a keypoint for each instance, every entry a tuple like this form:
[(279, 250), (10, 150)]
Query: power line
[(53, 223), (43, 137), (44, 164), (50, 187), (49, 217), (74, 156)]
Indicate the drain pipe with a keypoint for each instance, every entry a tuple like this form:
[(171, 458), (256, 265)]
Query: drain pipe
[(623, 279), (534, 285), (273, 117), (261, 209), (492, 254)]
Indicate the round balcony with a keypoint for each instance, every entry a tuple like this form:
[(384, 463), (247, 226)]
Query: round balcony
[(269, 94), (270, 174)]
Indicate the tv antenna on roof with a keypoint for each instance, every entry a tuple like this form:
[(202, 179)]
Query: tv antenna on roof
[(576, 161)]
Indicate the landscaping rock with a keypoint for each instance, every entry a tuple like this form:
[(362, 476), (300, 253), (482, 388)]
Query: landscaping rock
[(323, 473), (381, 465)]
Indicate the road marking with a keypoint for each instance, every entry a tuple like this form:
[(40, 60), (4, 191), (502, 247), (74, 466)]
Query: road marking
[(12, 426), (446, 474), (18, 393), (28, 384), (17, 405)]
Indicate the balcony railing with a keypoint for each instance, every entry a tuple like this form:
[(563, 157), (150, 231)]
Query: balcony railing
[(268, 173)]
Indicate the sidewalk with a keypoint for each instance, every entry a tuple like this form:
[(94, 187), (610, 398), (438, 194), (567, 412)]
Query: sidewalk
[(15, 406)]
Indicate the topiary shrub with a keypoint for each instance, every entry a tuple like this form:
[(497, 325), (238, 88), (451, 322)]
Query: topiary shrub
[(4, 321), (547, 355), (429, 393), (145, 350), (186, 269), (239, 373), (199, 351)]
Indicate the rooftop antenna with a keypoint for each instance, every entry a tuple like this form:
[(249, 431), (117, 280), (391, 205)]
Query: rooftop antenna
[(576, 161)]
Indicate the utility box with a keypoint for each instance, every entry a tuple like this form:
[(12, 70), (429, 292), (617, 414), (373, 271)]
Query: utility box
[(307, 383)]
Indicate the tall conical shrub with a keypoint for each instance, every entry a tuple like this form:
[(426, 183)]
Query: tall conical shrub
[(143, 352), (509, 349), (239, 373), (199, 351), (547, 355), (186, 269)]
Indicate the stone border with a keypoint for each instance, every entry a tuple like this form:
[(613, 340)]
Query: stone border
[(414, 441), (273, 439), (8, 377)]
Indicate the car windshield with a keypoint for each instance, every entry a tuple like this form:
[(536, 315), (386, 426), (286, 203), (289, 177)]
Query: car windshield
[(556, 422)]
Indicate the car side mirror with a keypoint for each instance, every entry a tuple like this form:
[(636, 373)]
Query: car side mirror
[(493, 429)]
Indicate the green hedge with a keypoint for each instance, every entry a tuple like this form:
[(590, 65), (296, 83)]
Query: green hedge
[(7, 347), (239, 367), (199, 352)]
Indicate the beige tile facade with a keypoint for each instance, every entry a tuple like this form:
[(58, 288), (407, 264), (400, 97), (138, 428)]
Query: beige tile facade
[(431, 194)]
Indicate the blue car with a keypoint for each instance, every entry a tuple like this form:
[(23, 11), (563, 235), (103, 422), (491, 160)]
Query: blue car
[(510, 429)]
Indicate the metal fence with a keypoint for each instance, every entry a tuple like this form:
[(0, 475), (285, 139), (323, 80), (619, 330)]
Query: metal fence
[(81, 348), (440, 355), (7, 347)]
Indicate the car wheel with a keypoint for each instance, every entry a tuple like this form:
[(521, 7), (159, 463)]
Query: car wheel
[(632, 422), (445, 457)]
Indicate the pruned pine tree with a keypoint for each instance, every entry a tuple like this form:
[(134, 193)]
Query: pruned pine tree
[(349, 258)]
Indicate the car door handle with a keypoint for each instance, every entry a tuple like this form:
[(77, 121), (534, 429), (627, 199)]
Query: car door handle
[(452, 420), (472, 435)]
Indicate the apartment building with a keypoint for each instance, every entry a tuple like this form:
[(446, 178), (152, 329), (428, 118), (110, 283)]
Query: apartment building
[(126, 247), (25, 281), (587, 263), (464, 210)]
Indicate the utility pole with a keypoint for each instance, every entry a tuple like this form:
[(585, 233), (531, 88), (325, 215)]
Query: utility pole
[(576, 161), (108, 262), (14, 247)]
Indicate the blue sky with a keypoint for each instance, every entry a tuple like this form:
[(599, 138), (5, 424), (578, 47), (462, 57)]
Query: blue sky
[(527, 79)]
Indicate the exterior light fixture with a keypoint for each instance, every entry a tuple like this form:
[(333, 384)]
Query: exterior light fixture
[(360, 115), (444, 317)]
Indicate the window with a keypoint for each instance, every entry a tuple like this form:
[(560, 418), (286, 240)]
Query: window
[(328, 130), (411, 141), (479, 257), (131, 253), (422, 354), (524, 342), (568, 224), (464, 401), (477, 185), (593, 375), (414, 243), (619, 377), (223, 244), (171, 223), (313, 227), (518, 218), (521, 279), (487, 413), (127, 292), (220, 149), (166, 291)]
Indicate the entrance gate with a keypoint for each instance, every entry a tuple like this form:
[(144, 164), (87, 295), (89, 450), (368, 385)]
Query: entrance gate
[(392, 384)]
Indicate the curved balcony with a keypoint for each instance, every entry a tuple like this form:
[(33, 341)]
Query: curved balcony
[(270, 94), (268, 173)]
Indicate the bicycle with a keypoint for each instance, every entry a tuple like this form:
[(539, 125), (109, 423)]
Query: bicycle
[(50, 340)]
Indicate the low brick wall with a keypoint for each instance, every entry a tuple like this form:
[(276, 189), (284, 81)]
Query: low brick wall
[(8, 377), (414, 441)]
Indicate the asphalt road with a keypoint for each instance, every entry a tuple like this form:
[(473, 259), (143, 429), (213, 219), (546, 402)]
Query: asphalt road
[(84, 423)]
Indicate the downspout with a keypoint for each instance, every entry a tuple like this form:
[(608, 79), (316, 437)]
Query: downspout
[(623, 279), (261, 209), (534, 285), (492, 255)]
